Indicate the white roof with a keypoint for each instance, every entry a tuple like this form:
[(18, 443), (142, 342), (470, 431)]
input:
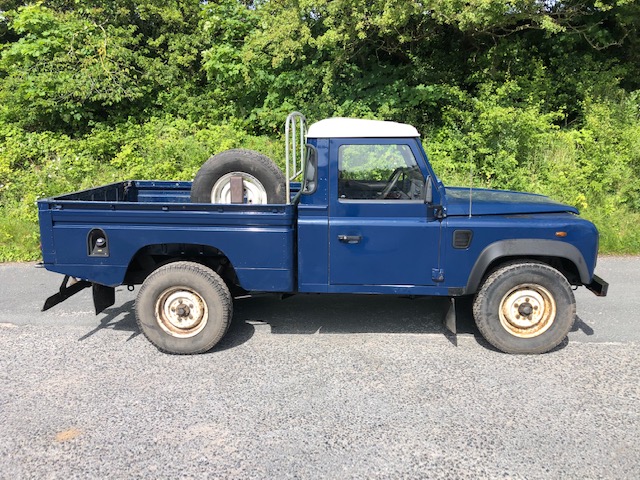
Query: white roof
[(359, 128)]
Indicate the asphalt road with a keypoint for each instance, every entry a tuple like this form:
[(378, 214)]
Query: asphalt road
[(315, 387)]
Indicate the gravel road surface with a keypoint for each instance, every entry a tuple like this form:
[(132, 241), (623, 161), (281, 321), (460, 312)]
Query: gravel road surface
[(315, 387)]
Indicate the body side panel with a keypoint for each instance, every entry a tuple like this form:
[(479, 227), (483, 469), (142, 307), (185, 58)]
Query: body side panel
[(498, 236), (259, 242)]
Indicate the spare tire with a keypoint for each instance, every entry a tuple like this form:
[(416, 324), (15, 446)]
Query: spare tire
[(263, 182)]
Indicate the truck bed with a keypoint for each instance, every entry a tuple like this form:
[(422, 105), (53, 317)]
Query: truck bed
[(133, 191), (157, 216)]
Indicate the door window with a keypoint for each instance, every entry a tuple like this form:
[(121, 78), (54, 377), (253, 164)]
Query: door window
[(379, 172)]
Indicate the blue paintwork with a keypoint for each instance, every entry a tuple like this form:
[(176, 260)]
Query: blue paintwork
[(489, 229), (258, 239), (500, 202), (404, 246), (387, 228)]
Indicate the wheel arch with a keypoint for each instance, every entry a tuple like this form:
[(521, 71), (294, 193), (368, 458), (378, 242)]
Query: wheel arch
[(563, 256), (151, 257)]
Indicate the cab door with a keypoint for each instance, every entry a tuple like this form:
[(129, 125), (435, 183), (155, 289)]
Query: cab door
[(380, 232)]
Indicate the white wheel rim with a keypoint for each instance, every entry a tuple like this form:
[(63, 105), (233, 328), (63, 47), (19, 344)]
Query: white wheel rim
[(527, 311), (181, 312), (253, 190)]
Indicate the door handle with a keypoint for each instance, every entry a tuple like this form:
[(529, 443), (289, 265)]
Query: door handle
[(350, 238)]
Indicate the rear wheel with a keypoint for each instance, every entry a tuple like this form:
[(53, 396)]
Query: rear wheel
[(525, 308), (184, 308)]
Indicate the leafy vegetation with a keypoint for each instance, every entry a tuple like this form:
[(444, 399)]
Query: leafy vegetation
[(531, 95)]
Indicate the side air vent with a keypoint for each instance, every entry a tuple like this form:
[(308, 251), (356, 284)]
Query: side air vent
[(462, 238)]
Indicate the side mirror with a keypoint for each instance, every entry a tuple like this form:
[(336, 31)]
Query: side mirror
[(428, 189), (310, 178)]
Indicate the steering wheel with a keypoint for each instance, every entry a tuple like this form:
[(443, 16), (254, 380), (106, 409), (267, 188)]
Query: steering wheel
[(392, 182)]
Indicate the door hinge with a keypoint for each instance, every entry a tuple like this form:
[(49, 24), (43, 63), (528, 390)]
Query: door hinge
[(437, 274)]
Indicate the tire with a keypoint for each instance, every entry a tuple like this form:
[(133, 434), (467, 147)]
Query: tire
[(262, 180), (184, 308), (525, 308)]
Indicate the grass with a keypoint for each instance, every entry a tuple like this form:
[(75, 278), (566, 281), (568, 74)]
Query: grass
[(19, 239), (619, 232)]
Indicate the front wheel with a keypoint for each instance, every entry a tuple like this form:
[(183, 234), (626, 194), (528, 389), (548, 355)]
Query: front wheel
[(184, 308), (525, 308)]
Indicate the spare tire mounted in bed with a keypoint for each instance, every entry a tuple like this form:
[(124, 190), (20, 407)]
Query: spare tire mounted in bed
[(239, 176)]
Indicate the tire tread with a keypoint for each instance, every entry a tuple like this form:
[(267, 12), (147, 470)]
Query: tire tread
[(484, 324), (210, 277), (222, 163)]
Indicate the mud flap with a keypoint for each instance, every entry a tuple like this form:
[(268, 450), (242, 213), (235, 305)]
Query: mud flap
[(103, 297), (450, 318)]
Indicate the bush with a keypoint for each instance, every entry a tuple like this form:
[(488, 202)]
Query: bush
[(594, 166), (36, 165), (509, 141)]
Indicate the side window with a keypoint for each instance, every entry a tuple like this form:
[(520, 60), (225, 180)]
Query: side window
[(378, 172)]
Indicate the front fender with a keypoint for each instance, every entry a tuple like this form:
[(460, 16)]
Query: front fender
[(526, 248)]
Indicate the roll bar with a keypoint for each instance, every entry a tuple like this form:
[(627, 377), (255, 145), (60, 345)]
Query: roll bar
[(295, 131)]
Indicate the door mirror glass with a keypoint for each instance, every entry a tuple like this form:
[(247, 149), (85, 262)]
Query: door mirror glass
[(310, 176), (428, 190)]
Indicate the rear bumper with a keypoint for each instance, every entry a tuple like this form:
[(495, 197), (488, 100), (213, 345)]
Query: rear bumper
[(598, 286)]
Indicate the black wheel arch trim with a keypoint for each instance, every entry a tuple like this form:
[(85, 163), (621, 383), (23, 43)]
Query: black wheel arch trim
[(532, 247)]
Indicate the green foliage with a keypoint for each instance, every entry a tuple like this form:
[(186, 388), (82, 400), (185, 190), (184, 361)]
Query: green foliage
[(64, 69), (373, 162), (536, 96), (496, 134), (35, 165), (19, 239), (171, 148), (594, 167)]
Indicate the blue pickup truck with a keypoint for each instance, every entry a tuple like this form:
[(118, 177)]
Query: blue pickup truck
[(360, 211)]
